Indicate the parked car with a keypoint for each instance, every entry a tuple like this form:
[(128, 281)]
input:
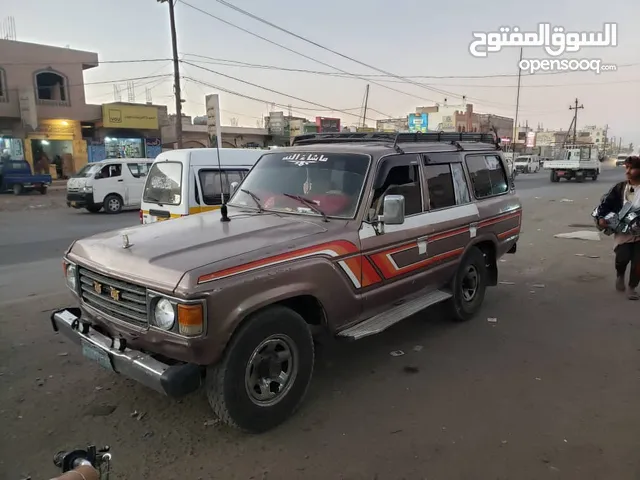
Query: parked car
[(16, 176), (620, 159), (113, 185), (343, 233)]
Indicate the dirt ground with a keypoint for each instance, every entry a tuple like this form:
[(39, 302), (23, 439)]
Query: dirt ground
[(55, 198), (548, 390)]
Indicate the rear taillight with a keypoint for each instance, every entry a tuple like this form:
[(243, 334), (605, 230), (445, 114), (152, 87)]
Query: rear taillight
[(141, 217)]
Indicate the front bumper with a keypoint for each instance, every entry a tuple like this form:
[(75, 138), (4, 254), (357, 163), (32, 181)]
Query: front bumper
[(112, 354), (80, 199)]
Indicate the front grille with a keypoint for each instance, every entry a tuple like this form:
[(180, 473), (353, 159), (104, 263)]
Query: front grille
[(122, 300)]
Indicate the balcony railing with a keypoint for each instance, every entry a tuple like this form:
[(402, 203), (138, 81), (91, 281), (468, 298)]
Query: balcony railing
[(52, 103)]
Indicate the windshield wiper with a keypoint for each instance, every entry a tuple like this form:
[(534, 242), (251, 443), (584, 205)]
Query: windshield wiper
[(309, 203), (255, 198)]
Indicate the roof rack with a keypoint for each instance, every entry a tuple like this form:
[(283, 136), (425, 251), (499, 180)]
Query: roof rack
[(386, 137)]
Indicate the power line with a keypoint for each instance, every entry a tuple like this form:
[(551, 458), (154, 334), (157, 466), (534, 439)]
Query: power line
[(316, 44), (263, 101), (239, 64), (120, 80), (267, 89), (299, 53)]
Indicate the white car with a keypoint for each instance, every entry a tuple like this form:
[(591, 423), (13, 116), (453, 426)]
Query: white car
[(527, 164)]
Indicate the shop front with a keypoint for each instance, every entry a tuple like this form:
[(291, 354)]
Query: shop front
[(56, 147), (128, 131)]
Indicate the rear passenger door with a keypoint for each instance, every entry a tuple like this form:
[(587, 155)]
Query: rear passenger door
[(495, 197), (452, 217)]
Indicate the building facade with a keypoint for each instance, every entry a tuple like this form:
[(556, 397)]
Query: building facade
[(43, 110)]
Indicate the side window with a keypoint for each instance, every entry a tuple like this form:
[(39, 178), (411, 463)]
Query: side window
[(487, 175), (447, 185), (110, 171), (210, 182), (399, 180), (134, 168), (143, 168)]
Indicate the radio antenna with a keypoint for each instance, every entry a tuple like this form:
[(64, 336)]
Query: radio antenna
[(224, 217)]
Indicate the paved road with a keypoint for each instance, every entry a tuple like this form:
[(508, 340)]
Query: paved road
[(32, 244), (548, 391)]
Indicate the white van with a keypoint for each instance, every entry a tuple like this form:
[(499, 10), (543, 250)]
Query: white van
[(186, 182), (527, 164), (113, 185)]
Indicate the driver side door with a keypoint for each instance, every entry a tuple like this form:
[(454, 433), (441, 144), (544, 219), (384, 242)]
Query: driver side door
[(396, 252)]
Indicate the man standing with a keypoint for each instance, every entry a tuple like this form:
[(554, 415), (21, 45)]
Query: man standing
[(627, 247)]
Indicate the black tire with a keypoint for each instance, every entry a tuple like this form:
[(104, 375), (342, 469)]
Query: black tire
[(18, 189), (554, 177), (113, 203), (226, 382), (461, 308), (580, 179), (94, 208), (594, 178), (43, 190)]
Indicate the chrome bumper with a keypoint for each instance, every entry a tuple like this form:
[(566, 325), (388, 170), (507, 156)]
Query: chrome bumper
[(112, 354)]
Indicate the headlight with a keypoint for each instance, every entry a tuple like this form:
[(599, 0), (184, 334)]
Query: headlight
[(72, 277), (87, 189), (164, 315)]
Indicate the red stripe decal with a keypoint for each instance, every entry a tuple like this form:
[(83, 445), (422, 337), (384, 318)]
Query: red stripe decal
[(341, 248), (508, 233), (502, 218)]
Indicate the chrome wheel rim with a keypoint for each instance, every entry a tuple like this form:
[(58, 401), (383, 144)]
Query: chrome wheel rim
[(271, 370), (114, 204), (470, 282)]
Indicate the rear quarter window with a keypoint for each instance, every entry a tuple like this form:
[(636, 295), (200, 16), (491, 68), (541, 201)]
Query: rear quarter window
[(487, 174)]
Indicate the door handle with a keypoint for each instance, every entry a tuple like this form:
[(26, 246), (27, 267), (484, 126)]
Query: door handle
[(473, 229), (121, 180), (422, 245)]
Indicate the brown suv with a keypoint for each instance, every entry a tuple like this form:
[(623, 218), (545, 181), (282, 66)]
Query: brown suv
[(351, 233)]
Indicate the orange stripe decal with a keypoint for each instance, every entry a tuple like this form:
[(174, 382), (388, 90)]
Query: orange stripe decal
[(369, 274), (333, 249)]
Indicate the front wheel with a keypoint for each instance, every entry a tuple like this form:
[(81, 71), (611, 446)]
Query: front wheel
[(265, 372), (17, 189), (468, 286), (94, 208), (113, 204)]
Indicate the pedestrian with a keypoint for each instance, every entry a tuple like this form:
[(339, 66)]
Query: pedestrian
[(627, 245)]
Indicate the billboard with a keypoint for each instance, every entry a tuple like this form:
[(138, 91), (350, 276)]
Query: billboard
[(531, 139), (418, 122), (122, 115), (328, 125), (212, 103)]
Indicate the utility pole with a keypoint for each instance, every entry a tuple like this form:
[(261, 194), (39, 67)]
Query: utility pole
[(575, 120), (604, 143), (619, 145), (176, 71), (515, 122), (366, 101)]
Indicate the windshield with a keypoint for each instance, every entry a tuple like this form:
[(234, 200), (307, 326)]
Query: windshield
[(523, 159), (332, 181), (164, 184), (87, 171)]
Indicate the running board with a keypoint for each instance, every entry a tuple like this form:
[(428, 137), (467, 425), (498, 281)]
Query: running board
[(382, 321)]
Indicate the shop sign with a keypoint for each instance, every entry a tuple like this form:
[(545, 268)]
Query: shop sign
[(212, 103), (55, 128), (418, 122), (141, 117)]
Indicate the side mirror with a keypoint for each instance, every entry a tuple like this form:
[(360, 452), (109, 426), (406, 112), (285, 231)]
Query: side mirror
[(97, 176), (234, 187), (393, 210)]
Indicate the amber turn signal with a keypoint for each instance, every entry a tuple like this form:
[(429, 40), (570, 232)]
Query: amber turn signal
[(190, 319)]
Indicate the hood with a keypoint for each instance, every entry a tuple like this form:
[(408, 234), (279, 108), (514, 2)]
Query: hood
[(161, 253)]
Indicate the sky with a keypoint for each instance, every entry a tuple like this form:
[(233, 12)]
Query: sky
[(407, 38)]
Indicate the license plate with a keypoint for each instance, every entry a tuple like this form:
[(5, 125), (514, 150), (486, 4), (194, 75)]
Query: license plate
[(97, 355)]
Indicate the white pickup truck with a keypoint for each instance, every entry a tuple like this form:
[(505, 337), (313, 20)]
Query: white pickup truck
[(575, 161)]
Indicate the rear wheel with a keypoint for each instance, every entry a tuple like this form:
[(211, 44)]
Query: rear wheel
[(265, 372), (113, 204), (469, 286), (17, 189), (554, 176), (43, 190)]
